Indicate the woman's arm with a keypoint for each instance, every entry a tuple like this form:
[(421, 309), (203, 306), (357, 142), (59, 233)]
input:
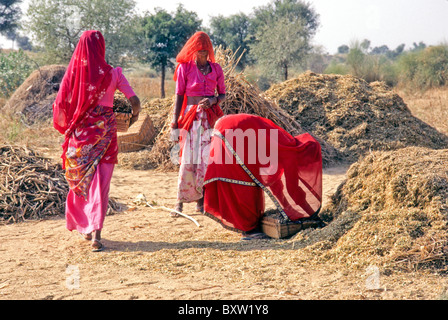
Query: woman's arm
[(220, 98), (177, 108), (135, 102)]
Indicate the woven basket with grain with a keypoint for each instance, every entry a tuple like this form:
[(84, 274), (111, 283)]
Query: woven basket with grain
[(123, 111)]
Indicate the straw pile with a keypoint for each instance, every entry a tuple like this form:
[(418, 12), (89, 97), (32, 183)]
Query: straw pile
[(31, 186), (33, 100), (241, 97), (391, 211), (352, 115)]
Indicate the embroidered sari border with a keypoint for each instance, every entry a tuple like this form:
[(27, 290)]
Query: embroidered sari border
[(244, 183), (209, 215)]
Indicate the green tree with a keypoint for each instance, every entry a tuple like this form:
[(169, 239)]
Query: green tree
[(294, 10), (356, 59), (9, 15), (56, 26), (283, 30), (281, 45), (343, 49), (232, 32), (162, 35), (15, 67)]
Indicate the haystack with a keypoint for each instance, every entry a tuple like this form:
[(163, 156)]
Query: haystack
[(33, 100), (390, 212), (241, 97), (353, 116)]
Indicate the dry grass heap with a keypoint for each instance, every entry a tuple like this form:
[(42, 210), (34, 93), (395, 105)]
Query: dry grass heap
[(33, 100), (391, 212), (352, 115), (33, 187), (241, 97), (30, 186)]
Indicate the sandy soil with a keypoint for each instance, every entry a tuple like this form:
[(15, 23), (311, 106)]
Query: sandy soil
[(150, 255)]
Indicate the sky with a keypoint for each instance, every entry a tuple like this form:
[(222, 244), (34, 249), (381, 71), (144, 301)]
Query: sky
[(383, 22)]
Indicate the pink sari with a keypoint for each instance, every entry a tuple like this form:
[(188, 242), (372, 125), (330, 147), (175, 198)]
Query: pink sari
[(87, 215), (90, 133)]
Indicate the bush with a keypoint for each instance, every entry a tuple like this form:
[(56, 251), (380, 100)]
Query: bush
[(425, 69), (15, 67), (337, 68)]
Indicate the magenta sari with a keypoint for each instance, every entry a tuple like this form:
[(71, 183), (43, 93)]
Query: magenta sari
[(90, 146)]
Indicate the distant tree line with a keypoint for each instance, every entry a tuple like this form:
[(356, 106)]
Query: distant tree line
[(275, 36), (419, 66)]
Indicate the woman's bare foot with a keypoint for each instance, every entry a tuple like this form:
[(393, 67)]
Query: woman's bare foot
[(200, 205), (96, 244), (87, 236), (179, 207)]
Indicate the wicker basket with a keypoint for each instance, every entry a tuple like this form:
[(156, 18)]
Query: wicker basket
[(123, 121), (139, 135), (278, 229)]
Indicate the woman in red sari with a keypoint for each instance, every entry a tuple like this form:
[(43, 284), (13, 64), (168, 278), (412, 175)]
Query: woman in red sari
[(199, 90), (251, 156), (83, 112)]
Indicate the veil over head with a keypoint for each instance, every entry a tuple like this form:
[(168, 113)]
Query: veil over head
[(199, 41), (85, 81)]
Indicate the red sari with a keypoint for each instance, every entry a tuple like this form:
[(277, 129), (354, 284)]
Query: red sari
[(251, 156)]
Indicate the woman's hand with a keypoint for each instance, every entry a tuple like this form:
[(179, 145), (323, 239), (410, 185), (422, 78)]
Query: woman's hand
[(207, 102), (135, 102), (204, 103), (174, 134), (134, 118)]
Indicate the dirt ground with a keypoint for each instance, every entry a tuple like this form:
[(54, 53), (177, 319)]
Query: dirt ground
[(150, 255)]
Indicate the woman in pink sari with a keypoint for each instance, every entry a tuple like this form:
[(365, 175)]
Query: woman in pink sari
[(200, 88), (83, 112)]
